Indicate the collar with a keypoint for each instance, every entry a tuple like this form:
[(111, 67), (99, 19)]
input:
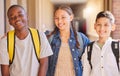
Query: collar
[(108, 41), (72, 36)]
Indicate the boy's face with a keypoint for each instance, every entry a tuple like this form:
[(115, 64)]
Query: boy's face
[(17, 18), (103, 27)]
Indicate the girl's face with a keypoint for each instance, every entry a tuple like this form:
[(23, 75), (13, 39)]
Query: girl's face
[(62, 19), (103, 27)]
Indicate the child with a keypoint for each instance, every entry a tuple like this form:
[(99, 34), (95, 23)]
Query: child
[(65, 45), (102, 61), (25, 61)]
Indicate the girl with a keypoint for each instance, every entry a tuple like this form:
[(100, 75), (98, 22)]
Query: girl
[(65, 45)]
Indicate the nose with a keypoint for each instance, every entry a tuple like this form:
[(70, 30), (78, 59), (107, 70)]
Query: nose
[(59, 20), (101, 27)]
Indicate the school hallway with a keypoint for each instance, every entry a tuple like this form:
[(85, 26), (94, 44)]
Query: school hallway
[(40, 14)]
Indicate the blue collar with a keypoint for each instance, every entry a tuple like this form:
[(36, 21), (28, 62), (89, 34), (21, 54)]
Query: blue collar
[(57, 34)]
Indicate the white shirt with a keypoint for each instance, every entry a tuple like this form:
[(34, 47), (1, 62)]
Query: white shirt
[(25, 61), (103, 61)]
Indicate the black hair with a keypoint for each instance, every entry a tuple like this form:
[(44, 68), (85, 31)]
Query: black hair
[(106, 14), (14, 6)]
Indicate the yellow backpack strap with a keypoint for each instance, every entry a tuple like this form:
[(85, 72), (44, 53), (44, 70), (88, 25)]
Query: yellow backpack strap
[(11, 45), (36, 42)]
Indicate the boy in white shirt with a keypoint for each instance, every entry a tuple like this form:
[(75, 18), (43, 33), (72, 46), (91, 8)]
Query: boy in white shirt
[(25, 61), (102, 61)]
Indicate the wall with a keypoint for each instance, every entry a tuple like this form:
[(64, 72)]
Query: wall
[(2, 18), (90, 12), (78, 10), (46, 9), (116, 13), (31, 13)]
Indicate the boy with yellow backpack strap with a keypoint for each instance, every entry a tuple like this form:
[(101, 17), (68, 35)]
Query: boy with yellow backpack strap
[(11, 43), (27, 49)]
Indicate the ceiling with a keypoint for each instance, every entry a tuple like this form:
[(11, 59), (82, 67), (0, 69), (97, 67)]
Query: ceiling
[(68, 1)]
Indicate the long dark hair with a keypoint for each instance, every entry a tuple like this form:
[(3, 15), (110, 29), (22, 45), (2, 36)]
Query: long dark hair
[(70, 12)]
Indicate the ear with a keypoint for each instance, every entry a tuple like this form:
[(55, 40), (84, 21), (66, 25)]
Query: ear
[(94, 25), (113, 27), (27, 18), (10, 22), (71, 17)]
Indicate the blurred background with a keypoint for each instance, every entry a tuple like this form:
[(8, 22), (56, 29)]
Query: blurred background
[(40, 13)]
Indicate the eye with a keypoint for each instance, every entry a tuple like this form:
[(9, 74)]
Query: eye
[(56, 18), (63, 17), (11, 18), (21, 15), (98, 24), (106, 25)]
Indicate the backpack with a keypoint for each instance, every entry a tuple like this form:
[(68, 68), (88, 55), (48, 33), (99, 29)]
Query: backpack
[(11, 43), (115, 50)]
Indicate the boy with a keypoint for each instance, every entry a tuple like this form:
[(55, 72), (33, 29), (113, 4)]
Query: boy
[(25, 61), (101, 61)]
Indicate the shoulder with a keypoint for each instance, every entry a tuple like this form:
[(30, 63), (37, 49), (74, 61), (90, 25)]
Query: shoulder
[(47, 32), (116, 40), (84, 37), (50, 35), (41, 33), (3, 42), (4, 36), (91, 43), (81, 34)]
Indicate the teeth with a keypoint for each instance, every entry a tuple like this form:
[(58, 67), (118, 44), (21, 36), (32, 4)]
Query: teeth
[(60, 25), (18, 22)]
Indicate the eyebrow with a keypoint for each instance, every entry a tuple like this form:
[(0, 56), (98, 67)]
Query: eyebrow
[(18, 12)]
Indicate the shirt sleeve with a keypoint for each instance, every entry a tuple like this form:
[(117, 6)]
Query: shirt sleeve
[(4, 58), (85, 63), (45, 46), (119, 55)]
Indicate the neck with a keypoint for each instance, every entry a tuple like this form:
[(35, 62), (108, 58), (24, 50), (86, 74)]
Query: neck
[(102, 40), (22, 34), (65, 35)]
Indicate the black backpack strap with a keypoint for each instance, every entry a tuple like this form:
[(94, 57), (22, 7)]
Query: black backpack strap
[(115, 49), (89, 51)]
